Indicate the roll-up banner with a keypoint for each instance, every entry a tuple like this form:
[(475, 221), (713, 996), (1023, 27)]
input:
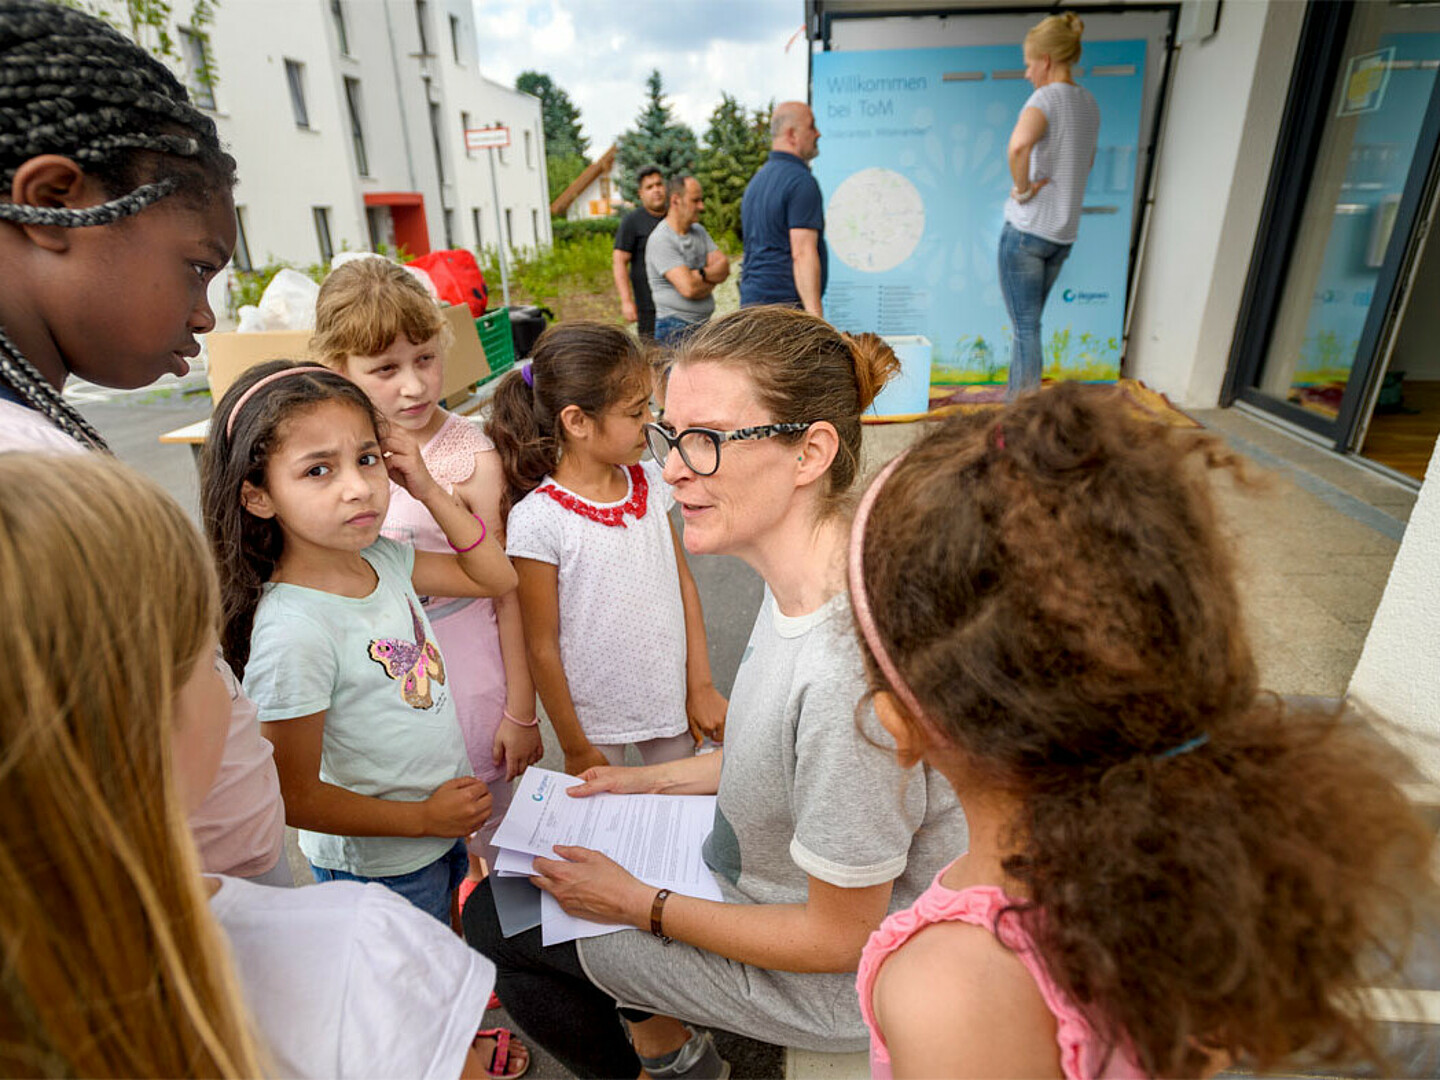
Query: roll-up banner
[(913, 169)]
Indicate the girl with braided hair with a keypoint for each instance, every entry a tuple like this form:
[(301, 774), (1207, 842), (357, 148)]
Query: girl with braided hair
[(115, 214), (1167, 871)]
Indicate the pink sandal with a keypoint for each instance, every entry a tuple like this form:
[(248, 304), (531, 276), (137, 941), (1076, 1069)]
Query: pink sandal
[(500, 1059)]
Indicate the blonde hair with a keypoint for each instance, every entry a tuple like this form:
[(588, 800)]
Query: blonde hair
[(365, 305), (804, 370), (112, 963), (1058, 37)]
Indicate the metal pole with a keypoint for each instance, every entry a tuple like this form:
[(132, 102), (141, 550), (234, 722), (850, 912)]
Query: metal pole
[(500, 232)]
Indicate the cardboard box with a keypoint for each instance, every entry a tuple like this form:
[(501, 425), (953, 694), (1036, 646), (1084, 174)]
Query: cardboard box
[(231, 353)]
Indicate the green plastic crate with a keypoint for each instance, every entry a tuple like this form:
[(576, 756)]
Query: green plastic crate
[(494, 330)]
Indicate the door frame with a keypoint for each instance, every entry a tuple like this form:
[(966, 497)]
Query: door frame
[(1319, 56)]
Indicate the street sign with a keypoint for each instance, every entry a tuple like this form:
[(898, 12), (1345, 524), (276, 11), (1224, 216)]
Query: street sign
[(493, 138)]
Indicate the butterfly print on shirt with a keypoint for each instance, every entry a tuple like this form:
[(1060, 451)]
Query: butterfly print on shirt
[(414, 663)]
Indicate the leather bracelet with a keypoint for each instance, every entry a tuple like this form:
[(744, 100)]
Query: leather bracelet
[(701, 271), (534, 721), (657, 912)]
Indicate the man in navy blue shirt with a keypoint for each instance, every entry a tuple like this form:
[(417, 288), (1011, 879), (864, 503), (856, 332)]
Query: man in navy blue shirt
[(782, 218)]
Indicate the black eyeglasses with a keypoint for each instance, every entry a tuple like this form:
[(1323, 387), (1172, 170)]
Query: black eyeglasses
[(700, 447)]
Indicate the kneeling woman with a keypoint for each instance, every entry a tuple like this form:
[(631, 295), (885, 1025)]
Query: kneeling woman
[(811, 845)]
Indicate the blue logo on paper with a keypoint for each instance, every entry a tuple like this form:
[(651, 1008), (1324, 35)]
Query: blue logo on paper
[(542, 790)]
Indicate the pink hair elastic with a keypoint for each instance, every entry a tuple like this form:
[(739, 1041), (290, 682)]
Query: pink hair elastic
[(259, 383), (861, 602)]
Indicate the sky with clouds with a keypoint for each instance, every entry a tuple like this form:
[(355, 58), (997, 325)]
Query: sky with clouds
[(600, 52)]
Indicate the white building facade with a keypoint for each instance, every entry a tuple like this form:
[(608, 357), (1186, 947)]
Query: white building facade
[(347, 119)]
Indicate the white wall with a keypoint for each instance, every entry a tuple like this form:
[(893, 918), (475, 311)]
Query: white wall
[(1222, 120), (1398, 676)]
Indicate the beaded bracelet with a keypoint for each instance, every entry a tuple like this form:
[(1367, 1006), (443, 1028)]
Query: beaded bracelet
[(469, 547), (534, 721)]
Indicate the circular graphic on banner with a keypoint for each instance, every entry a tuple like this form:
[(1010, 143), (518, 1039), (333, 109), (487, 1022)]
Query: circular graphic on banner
[(874, 220)]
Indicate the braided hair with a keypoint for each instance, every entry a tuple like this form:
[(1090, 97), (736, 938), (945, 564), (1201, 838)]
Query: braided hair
[(73, 86)]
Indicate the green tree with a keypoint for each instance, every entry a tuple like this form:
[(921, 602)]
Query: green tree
[(562, 171), (560, 115), (656, 138), (736, 145)]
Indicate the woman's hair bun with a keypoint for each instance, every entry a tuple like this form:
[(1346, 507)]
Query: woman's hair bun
[(1074, 22), (875, 365)]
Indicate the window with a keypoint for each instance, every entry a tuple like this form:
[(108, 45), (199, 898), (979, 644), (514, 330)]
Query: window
[(357, 129), (242, 243), (435, 132), (295, 76), (337, 13), (535, 223), (449, 218), (197, 65), (500, 150), (455, 37), (422, 16), (475, 221), (322, 232), (529, 151), (509, 230), (464, 127)]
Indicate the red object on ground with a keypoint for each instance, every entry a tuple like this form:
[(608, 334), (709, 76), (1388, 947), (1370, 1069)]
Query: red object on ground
[(407, 211), (457, 278)]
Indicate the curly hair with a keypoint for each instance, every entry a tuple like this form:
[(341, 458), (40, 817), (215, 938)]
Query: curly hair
[(73, 86), (1052, 583)]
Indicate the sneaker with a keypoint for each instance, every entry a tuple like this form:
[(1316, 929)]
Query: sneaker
[(698, 1059)]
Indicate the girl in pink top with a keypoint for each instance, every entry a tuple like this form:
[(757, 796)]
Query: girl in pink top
[(377, 325), (1166, 871)]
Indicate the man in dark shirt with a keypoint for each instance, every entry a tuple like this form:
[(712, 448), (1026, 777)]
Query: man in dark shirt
[(782, 218), (628, 259)]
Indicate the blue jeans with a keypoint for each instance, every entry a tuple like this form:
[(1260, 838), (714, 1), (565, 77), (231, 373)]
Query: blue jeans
[(428, 888), (672, 331), (1029, 266)]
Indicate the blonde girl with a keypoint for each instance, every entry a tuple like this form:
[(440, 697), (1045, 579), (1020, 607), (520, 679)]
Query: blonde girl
[(376, 325), (113, 714), (113, 965)]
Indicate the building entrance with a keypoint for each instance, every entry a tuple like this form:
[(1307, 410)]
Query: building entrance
[(1343, 300)]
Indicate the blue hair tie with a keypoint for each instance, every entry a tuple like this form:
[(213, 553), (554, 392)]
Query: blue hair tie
[(1184, 748), (527, 372)]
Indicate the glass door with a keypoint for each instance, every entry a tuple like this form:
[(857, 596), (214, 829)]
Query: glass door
[(1363, 167)]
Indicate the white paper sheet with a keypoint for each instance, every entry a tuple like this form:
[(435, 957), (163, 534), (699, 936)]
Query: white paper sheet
[(658, 838), (513, 863)]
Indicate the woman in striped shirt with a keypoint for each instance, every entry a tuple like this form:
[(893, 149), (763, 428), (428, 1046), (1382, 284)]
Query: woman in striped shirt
[(1051, 151)]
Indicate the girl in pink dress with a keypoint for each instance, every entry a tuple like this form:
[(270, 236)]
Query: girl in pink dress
[(376, 324), (1166, 872)]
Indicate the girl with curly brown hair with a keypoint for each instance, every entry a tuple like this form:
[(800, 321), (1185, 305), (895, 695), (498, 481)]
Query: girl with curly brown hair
[(1166, 871)]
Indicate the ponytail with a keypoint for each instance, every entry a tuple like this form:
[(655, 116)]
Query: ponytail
[(1202, 870), (590, 365), (528, 452)]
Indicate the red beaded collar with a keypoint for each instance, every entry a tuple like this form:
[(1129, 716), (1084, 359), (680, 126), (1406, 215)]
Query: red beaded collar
[(606, 515)]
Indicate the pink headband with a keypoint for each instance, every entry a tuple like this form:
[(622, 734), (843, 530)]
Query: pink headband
[(248, 394), (861, 602)]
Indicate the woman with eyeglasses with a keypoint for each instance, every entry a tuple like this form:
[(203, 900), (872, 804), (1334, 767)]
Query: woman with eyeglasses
[(811, 845)]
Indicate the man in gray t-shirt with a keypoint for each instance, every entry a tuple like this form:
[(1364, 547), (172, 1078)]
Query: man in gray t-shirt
[(682, 263)]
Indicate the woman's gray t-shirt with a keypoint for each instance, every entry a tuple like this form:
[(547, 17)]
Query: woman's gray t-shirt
[(1063, 156), (802, 793)]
